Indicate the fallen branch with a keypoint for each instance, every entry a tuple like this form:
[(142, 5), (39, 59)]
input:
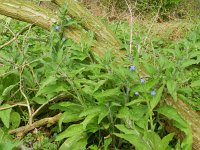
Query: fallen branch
[(24, 129), (29, 12)]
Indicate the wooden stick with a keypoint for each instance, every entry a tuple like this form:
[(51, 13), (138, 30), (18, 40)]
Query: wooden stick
[(14, 105), (24, 129)]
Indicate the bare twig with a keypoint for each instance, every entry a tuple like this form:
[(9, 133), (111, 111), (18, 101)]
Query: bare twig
[(16, 36), (17, 104), (24, 95), (24, 129), (131, 26), (56, 98), (153, 22)]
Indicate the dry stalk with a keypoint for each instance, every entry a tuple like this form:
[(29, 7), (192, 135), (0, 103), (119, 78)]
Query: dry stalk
[(24, 95), (131, 26), (56, 98), (17, 104), (16, 36)]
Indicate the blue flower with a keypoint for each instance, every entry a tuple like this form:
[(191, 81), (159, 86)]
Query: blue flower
[(132, 68), (153, 93), (142, 80), (137, 93), (57, 28), (63, 39)]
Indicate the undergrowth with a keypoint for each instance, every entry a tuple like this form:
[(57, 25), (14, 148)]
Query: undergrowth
[(104, 104)]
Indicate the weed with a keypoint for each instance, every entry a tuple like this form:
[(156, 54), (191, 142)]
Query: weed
[(105, 106)]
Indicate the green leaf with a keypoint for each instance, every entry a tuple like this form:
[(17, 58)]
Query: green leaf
[(135, 140), (124, 113), (67, 106), (153, 139), (104, 95), (5, 115), (146, 86), (149, 68), (15, 119), (122, 128), (107, 142), (71, 131), (99, 84), (180, 123), (165, 141), (79, 145), (188, 63), (60, 56), (39, 100), (8, 90), (171, 86), (138, 111), (8, 146), (104, 112), (75, 142), (194, 54), (52, 89), (135, 101), (88, 119), (28, 77), (45, 82), (91, 110), (171, 113), (155, 100), (68, 116), (151, 83), (195, 83)]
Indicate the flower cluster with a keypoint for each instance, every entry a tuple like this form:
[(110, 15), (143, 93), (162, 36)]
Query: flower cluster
[(142, 80), (132, 68), (63, 39), (57, 28)]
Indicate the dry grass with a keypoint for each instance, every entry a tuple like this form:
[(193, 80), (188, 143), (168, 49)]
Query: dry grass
[(173, 29)]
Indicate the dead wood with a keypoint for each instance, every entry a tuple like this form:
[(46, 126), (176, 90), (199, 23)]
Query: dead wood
[(24, 129)]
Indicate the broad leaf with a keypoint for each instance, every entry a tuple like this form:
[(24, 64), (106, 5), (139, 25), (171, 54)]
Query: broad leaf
[(122, 128), (171, 86), (189, 62), (155, 100), (195, 83), (45, 82), (91, 110), (15, 119), (75, 143), (180, 123), (5, 115), (105, 95), (8, 90), (135, 140), (165, 141), (88, 119), (71, 131)]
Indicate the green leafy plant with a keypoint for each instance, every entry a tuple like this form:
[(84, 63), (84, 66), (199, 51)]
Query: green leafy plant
[(104, 104)]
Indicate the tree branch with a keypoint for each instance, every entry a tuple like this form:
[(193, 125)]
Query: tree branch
[(24, 129)]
